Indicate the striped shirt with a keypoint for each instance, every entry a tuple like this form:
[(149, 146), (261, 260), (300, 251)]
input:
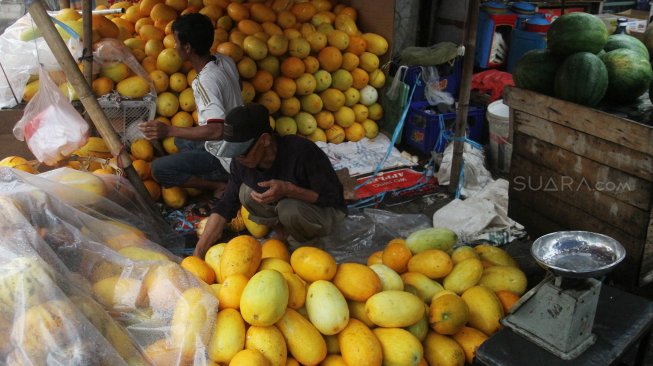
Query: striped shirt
[(216, 90)]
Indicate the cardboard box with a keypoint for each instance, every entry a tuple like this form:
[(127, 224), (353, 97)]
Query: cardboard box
[(637, 21)]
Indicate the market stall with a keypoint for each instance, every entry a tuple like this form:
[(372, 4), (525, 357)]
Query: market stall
[(100, 274)]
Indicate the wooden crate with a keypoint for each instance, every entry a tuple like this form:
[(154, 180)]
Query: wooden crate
[(577, 168)]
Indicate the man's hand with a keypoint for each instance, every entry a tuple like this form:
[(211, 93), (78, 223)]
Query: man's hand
[(277, 189), (154, 129), (212, 233)]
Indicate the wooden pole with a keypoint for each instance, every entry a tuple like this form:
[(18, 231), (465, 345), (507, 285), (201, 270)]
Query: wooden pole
[(76, 79), (87, 53), (465, 90)]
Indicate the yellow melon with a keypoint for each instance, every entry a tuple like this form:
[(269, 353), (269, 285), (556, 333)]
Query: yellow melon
[(296, 290), (142, 149), (174, 197), (192, 320), (228, 336), (356, 281), (304, 341), (358, 345), (269, 342), (312, 264), (264, 298), (169, 61), (399, 346), (242, 254)]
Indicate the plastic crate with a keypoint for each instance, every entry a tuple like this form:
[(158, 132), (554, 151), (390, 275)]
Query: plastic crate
[(123, 113), (422, 126), (449, 78)]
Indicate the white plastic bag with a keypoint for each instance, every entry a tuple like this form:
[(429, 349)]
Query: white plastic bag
[(51, 126), (432, 89), (20, 59), (475, 176), (490, 221)]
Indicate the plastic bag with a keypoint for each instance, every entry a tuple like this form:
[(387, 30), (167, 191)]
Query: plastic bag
[(492, 82), (394, 102), (498, 50), (429, 56), (110, 50), (475, 175), (434, 93), (366, 231), (144, 307), (51, 126), (490, 221), (20, 59)]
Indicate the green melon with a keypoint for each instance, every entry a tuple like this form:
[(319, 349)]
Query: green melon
[(629, 75), (617, 41), (576, 32), (582, 78), (536, 71)]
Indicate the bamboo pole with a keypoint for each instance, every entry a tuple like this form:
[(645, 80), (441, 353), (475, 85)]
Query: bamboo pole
[(87, 53), (465, 90), (100, 120)]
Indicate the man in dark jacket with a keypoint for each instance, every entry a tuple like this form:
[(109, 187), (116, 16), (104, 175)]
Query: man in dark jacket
[(285, 182)]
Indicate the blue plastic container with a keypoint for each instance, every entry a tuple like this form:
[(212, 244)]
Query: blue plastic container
[(488, 24), (522, 42), (422, 127)]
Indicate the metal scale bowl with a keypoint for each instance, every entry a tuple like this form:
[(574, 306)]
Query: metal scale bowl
[(558, 313)]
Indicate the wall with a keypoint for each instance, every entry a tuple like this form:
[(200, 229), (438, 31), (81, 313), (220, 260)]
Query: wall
[(8, 143)]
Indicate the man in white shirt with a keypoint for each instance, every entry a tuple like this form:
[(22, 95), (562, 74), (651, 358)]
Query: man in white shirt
[(216, 89)]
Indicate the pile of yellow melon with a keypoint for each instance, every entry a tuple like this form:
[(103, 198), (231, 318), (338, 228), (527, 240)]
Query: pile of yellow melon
[(430, 307), (306, 61)]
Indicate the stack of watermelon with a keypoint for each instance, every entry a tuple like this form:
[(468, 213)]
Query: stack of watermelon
[(586, 66)]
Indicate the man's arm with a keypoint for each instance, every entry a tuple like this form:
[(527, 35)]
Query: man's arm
[(212, 233), (156, 130)]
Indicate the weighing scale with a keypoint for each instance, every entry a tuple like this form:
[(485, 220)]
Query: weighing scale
[(558, 313)]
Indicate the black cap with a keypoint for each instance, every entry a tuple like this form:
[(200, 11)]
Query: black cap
[(242, 127)]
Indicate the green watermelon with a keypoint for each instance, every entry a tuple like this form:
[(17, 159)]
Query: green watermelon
[(582, 78), (617, 41), (629, 75), (576, 32), (536, 70)]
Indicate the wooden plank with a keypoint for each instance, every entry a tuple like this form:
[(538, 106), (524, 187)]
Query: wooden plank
[(613, 182), (609, 153), (534, 177), (572, 218), (622, 131), (536, 225), (584, 172)]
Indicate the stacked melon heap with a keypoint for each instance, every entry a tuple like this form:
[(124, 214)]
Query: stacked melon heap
[(416, 302), (585, 65), (306, 61)]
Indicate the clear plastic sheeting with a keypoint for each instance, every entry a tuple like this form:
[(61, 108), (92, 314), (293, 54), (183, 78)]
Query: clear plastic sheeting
[(85, 281), (366, 231), (21, 58)]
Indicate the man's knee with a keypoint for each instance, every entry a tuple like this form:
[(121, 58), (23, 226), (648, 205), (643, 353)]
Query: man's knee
[(165, 171), (289, 212), (159, 169)]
